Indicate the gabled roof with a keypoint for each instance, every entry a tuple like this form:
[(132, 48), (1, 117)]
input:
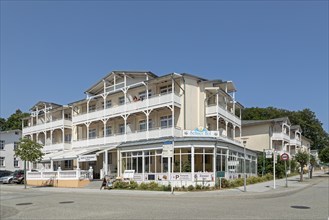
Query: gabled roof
[(274, 120), (97, 86), (295, 127), (42, 104)]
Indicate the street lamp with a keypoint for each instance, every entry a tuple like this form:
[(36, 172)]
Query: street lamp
[(244, 141)]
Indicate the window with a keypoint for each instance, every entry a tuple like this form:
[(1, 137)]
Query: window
[(108, 103), (68, 164), (15, 146), (2, 145), (68, 116), (108, 131), (166, 121), (165, 89), (121, 100), (67, 138), (121, 129), (92, 133), (2, 161), (142, 95), (142, 125), (15, 162), (92, 108)]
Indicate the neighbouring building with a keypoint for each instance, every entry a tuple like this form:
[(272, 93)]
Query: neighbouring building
[(274, 134), (8, 143), (177, 127)]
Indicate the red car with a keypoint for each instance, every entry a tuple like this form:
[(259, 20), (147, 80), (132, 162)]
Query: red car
[(18, 176)]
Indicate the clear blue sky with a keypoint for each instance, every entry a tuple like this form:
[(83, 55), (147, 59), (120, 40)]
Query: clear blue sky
[(276, 52)]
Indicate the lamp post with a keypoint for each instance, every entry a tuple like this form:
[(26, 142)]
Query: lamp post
[(244, 141)]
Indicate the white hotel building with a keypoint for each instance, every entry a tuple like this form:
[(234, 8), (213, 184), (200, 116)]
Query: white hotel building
[(128, 117)]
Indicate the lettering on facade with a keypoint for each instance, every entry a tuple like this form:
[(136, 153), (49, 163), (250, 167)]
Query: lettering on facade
[(85, 158), (200, 132)]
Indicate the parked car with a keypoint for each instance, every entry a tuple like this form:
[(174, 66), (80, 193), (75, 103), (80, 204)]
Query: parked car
[(6, 179), (5, 173), (18, 177)]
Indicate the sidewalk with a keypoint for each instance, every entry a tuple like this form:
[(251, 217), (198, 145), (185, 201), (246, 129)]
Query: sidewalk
[(262, 189), (280, 185)]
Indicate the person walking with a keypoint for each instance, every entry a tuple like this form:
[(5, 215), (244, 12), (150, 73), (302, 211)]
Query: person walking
[(104, 183)]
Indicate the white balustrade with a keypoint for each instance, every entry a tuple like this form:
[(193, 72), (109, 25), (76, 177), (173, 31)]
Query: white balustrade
[(59, 175)]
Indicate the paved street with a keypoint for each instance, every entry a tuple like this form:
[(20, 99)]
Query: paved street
[(307, 200)]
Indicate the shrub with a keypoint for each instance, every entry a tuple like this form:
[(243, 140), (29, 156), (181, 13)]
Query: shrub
[(120, 185), (143, 186), (133, 185), (153, 186), (225, 183), (190, 188)]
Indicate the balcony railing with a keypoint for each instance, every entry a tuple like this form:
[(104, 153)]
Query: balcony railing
[(153, 102), (58, 175), (47, 126), (133, 136), (212, 110), (280, 136), (57, 147), (295, 142)]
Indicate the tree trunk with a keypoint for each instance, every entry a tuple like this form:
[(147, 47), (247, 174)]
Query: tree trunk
[(25, 174), (311, 171)]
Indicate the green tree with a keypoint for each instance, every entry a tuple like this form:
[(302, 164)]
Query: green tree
[(324, 155), (28, 150), (302, 157), (311, 126), (268, 168), (13, 122), (2, 124)]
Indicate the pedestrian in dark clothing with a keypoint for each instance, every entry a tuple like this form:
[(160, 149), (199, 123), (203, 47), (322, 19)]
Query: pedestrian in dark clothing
[(104, 183)]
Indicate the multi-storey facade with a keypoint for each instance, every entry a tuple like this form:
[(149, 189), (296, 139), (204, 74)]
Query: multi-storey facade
[(128, 117), (276, 134), (8, 143)]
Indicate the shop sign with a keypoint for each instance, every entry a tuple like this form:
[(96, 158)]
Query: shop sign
[(168, 149), (204, 176), (182, 176), (200, 132), (268, 153), (85, 158)]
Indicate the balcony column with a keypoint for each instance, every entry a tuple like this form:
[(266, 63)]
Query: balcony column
[(45, 111), (36, 116), (87, 126), (192, 162), (105, 162), (217, 113), (63, 135), (51, 136), (226, 127), (234, 132), (173, 107)]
